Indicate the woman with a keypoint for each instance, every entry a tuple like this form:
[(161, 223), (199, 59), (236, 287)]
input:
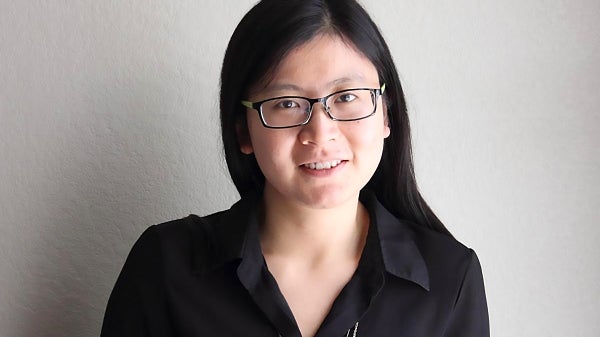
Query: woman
[(331, 236)]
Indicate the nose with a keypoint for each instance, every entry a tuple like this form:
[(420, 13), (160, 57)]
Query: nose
[(320, 128)]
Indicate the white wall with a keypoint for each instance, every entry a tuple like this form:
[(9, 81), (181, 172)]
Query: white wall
[(109, 123)]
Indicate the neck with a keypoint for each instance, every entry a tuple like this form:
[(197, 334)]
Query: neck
[(313, 235)]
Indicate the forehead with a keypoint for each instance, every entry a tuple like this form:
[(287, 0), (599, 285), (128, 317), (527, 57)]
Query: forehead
[(323, 63)]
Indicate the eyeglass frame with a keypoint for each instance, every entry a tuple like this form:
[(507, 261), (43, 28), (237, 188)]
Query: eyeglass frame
[(377, 92)]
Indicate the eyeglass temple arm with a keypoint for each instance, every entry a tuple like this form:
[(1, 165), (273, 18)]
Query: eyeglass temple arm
[(250, 105)]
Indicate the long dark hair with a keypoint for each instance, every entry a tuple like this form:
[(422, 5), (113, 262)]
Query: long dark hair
[(263, 38)]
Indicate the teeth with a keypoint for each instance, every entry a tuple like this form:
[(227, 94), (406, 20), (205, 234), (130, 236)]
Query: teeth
[(323, 165)]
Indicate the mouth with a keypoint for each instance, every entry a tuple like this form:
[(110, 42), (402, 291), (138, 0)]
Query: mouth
[(324, 165)]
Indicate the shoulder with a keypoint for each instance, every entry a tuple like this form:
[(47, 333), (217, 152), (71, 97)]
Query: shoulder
[(183, 235), (159, 244), (439, 249), (432, 259), (197, 242), (203, 228), (185, 230), (400, 235), (164, 255), (453, 268), (455, 275)]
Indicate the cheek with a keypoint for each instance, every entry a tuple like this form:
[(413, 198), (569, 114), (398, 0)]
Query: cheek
[(270, 146), (368, 132), (369, 142)]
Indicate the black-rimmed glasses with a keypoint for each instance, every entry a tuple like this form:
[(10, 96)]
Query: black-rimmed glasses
[(344, 105)]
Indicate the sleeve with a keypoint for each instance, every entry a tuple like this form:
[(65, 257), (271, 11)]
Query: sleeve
[(136, 306), (470, 315)]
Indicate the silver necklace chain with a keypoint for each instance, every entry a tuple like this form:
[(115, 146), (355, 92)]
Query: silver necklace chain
[(354, 331)]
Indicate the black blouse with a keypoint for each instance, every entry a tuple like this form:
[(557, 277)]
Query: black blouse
[(206, 276)]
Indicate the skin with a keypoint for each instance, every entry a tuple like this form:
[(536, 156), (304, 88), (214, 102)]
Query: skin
[(314, 228)]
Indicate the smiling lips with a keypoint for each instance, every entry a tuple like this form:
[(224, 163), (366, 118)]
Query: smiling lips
[(322, 165)]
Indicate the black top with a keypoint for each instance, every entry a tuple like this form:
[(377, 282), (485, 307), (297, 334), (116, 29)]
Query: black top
[(206, 276)]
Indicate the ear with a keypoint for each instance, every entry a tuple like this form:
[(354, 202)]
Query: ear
[(241, 130), (386, 120)]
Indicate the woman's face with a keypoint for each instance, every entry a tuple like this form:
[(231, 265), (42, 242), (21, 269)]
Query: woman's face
[(295, 160)]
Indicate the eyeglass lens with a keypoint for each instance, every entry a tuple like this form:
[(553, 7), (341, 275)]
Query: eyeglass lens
[(346, 105)]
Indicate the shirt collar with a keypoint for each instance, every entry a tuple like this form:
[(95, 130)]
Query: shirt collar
[(233, 235), (399, 251)]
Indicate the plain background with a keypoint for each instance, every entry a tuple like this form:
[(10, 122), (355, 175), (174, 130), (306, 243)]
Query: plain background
[(109, 124)]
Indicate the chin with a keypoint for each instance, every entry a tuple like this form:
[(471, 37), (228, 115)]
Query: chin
[(328, 199)]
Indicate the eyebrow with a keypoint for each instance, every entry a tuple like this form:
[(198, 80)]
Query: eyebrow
[(275, 87)]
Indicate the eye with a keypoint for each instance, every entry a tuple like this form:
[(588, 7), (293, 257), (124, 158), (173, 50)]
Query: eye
[(287, 104), (345, 97)]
